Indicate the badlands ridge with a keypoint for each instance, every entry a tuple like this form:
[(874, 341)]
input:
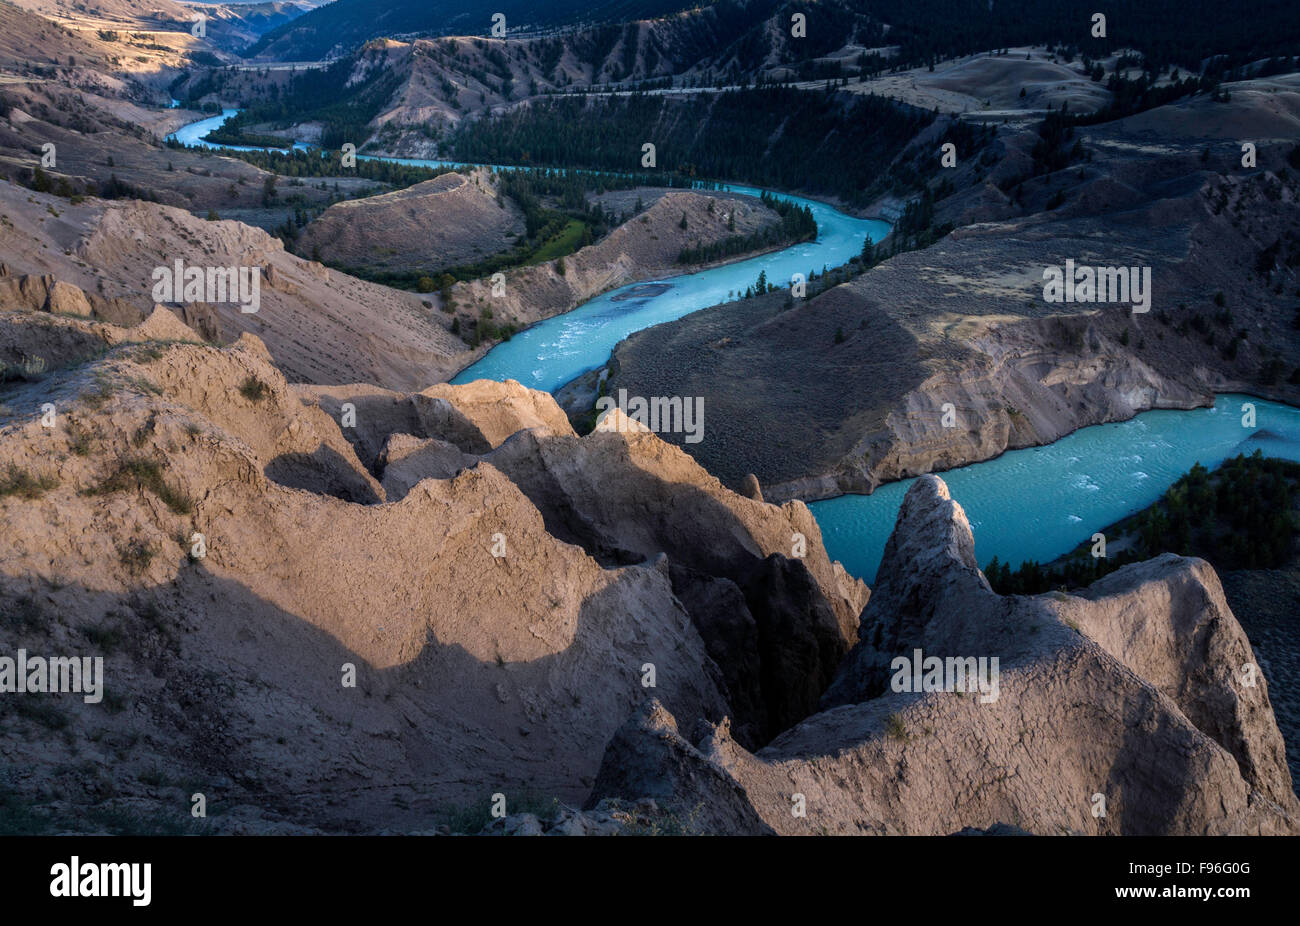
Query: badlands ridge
[(566, 621)]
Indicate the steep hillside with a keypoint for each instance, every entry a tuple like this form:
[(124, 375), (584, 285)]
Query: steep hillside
[(734, 37), (28, 42), (320, 325), (1153, 647), (771, 136), (142, 44), (344, 24), (454, 219), (857, 376), (517, 646), (228, 26), (646, 246)]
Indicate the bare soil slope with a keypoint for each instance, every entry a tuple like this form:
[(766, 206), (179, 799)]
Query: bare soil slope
[(489, 654), (320, 325), (846, 390), (1153, 647), (452, 219)]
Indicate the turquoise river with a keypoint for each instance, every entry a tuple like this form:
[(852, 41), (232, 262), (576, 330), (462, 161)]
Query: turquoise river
[(1035, 503)]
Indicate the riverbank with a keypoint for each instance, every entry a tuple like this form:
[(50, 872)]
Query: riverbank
[(1244, 519), (554, 352), (1081, 483), (484, 313), (646, 247)]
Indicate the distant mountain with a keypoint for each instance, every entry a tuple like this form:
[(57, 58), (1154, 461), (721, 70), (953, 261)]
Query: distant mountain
[(232, 24), (342, 25), (1182, 32)]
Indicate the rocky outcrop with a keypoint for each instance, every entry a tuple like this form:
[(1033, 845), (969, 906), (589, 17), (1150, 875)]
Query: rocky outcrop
[(486, 413), (757, 576), (1120, 711), (643, 248), (621, 493), (388, 639), (457, 218), (774, 612), (648, 755), (950, 354), (406, 460), (475, 417), (203, 318), (773, 634), (1168, 621), (43, 293), (929, 594)]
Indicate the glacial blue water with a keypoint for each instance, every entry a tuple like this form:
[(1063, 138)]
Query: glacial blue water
[(1041, 502), (552, 352), (1036, 503), (194, 133)]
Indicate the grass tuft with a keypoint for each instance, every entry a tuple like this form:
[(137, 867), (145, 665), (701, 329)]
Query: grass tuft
[(23, 483), (144, 473), (136, 556), (895, 728), (254, 389)]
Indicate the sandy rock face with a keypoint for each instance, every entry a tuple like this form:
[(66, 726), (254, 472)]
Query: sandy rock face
[(43, 293), (626, 498), (932, 595), (650, 756), (1168, 621), (779, 624), (643, 248), (1125, 700), (64, 297), (475, 417), (455, 218), (488, 653), (406, 460), (662, 498), (28, 291), (495, 411)]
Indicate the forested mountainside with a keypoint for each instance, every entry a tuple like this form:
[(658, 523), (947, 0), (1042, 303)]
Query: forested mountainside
[(752, 32), (346, 23)]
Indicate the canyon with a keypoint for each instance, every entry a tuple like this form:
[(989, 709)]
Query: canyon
[(379, 548), (617, 553), (859, 374)]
